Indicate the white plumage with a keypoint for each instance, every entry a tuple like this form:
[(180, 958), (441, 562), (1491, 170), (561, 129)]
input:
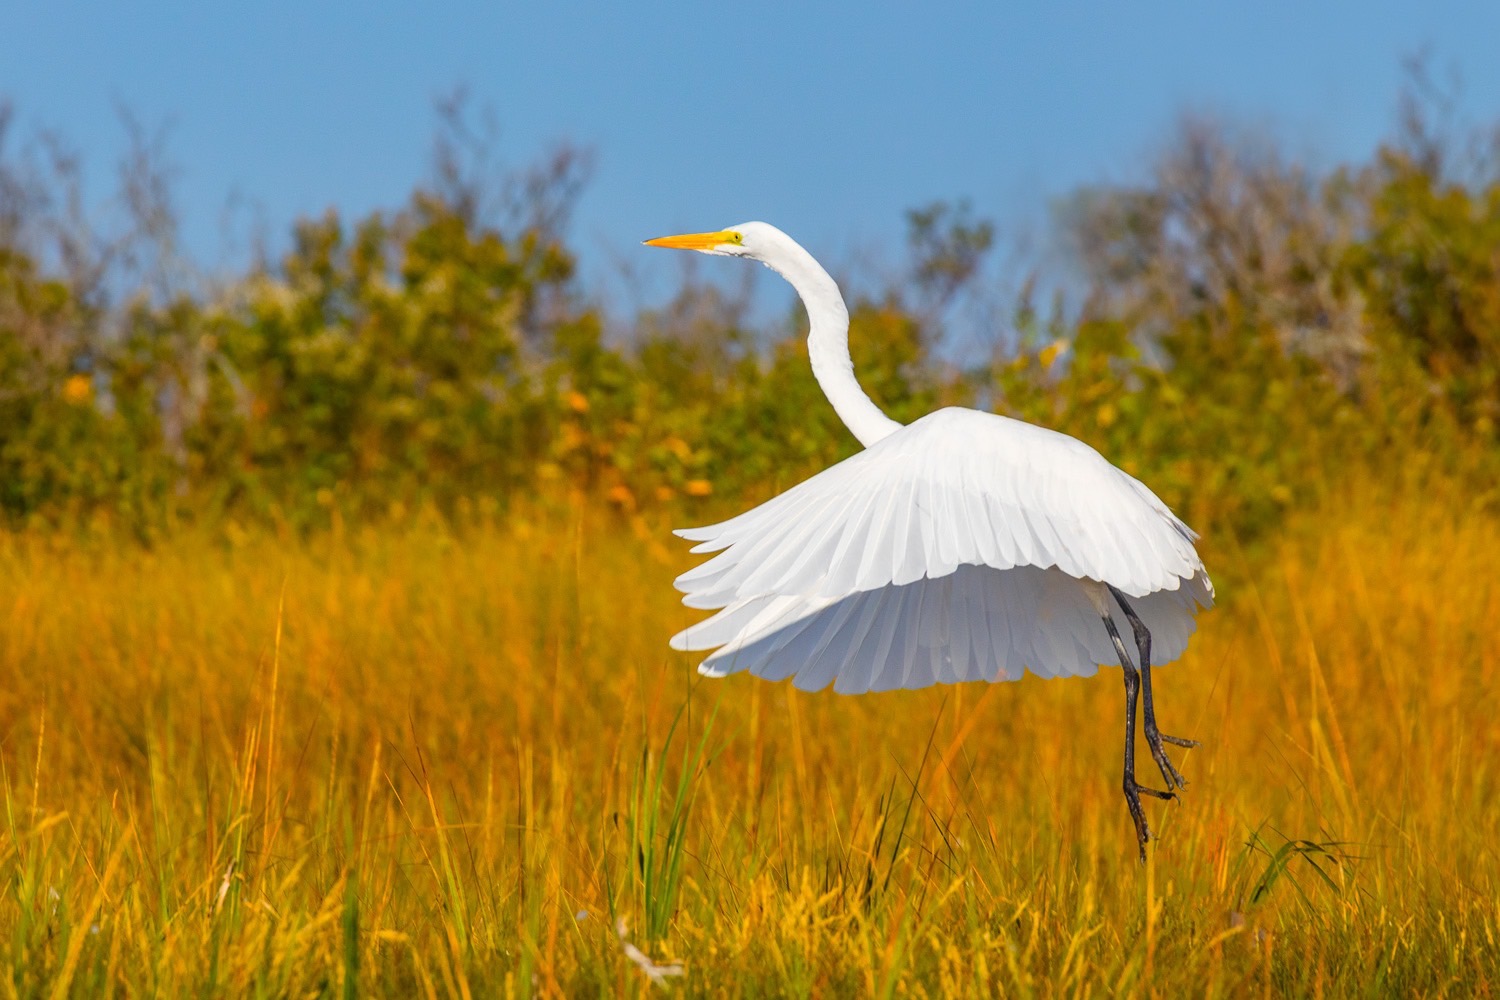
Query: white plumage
[(966, 546), (853, 577), (818, 583)]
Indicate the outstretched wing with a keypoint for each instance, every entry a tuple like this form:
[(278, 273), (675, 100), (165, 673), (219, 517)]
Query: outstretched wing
[(956, 488), (976, 623), (950, 550)]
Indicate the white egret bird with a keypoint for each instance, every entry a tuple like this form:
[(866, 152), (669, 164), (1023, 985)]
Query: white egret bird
[(963, 546)]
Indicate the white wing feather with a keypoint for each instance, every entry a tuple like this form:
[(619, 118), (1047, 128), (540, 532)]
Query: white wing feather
[(950, 550), (976, 623)]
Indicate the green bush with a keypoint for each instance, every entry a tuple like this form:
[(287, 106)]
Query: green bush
[(1248, 329)]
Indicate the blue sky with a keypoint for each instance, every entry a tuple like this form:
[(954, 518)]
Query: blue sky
[(826, 119)]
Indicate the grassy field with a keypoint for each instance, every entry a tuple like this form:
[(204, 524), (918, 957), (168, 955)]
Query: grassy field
[(442, 762)]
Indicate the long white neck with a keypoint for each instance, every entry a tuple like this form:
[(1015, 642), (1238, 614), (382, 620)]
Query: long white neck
[(828, 341)]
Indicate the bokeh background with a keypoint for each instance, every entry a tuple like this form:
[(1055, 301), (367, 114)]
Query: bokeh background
[(343, 421)]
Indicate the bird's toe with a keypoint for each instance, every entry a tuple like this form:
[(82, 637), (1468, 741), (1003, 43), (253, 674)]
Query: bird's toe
[(1154, 793)]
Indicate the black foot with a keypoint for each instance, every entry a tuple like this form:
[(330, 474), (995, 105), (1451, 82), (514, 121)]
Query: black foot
[(1169, 772), (1133, 793)]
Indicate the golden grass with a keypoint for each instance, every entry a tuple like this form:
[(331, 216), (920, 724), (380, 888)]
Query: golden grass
[(425, 761)]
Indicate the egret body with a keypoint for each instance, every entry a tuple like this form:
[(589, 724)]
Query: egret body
[(963, 546)]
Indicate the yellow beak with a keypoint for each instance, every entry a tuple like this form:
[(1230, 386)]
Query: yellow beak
[(694, 241)]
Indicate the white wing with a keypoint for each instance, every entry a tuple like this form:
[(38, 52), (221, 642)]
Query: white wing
[(855, 576), (976, 623)]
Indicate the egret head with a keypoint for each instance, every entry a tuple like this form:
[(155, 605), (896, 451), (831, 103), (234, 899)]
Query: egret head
[(748, 239)]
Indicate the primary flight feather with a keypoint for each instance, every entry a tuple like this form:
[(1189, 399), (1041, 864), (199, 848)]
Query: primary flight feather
[(964, 546)]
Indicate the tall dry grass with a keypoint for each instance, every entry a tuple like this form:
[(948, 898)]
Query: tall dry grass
[(436, 762)]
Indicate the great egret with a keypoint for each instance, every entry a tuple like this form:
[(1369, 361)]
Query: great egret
[(964, 546)]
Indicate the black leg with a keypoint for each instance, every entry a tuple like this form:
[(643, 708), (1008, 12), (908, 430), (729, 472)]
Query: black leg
[(1154, 737), (1131, 787)]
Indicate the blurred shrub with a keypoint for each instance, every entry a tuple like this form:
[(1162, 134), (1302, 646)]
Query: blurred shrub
[(1247, 330), (1252, 332)]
